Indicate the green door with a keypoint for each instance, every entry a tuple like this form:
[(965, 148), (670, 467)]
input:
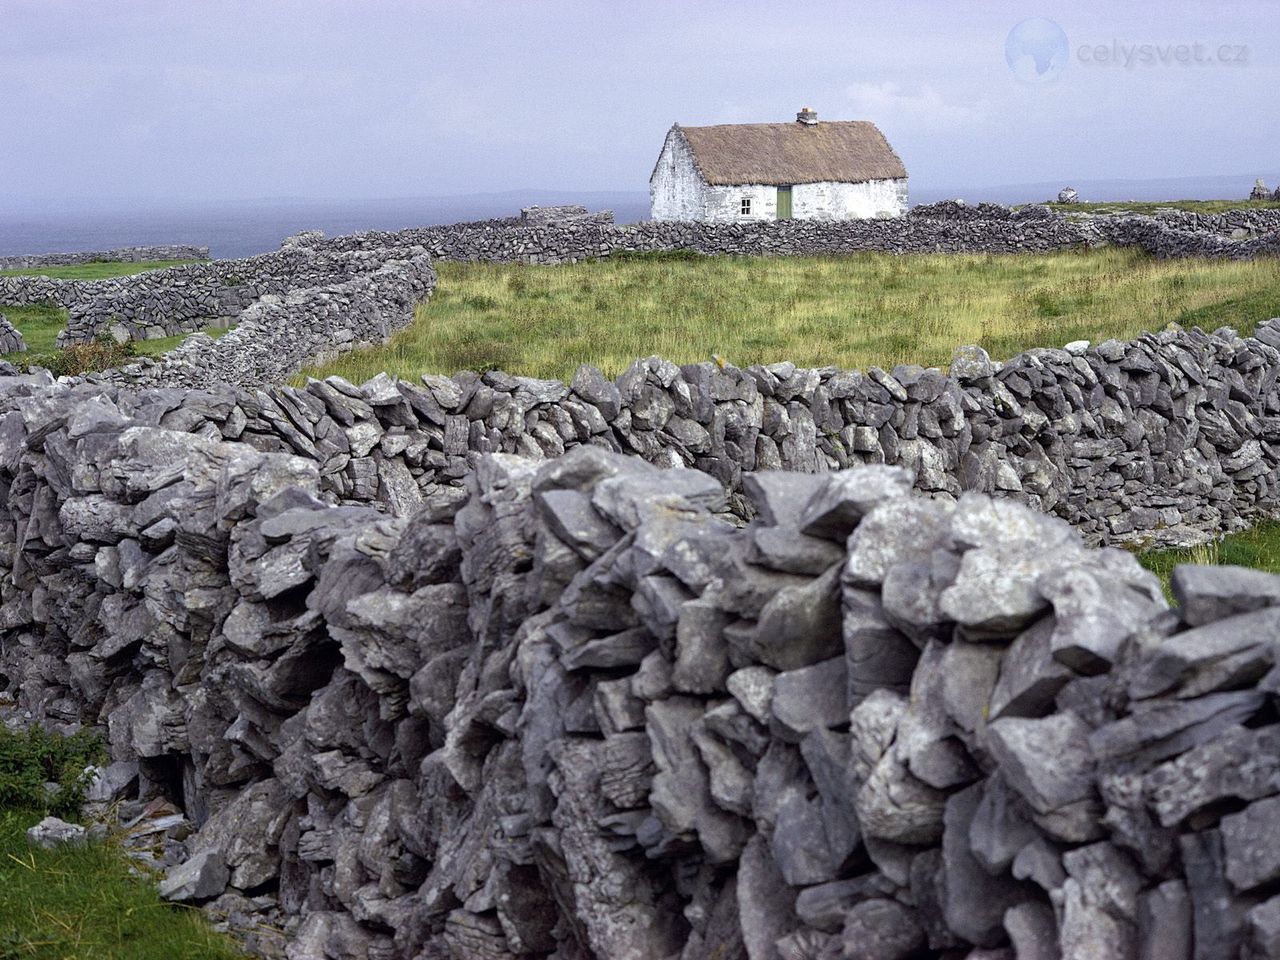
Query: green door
[(784, 203)]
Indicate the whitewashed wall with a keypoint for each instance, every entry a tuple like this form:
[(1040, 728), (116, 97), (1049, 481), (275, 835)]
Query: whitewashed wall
[(677, 192), (846, 201)]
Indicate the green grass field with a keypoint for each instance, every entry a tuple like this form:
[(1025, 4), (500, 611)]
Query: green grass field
[(852, 312), (97, 270), (1148, 206)]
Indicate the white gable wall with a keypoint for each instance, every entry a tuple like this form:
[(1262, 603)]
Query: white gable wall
[(676, 189), (678, 192)]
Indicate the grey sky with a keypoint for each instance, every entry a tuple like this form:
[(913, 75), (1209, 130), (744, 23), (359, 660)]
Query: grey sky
[(170, 99)]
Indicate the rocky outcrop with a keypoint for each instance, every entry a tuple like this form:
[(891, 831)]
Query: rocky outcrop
[(1068, 195), (583, 712), (1259, 191)]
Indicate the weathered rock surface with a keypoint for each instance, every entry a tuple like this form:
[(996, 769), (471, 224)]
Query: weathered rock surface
[(579, 713)]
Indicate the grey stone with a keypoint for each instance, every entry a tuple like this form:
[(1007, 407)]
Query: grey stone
[(1033, 931), (1242, 641), (1030, 677), (52, 833), (202, 877), (810, 698), (878, 655), (1046, 760), (877, 544), (973, 901), (780, 496), (574, 520), (1206, 594), (1040, 862), (1251, 844), (1242, 763), (881, 929), (1219, 917), (1002, 827), (752, 687), (1095, 611), (1164, 923), (800, 625), (1264, 929), (1155, 730), (835, 508), (766, 904)]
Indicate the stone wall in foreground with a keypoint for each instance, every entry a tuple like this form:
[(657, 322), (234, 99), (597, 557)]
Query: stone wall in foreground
[(154, 252), (585, 714), (1168, 439)]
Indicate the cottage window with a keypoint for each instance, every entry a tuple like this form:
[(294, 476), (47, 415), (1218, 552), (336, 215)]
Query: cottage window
[(745, 207)]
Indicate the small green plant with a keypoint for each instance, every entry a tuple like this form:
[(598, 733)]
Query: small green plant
[(81, 358), (31, 758)]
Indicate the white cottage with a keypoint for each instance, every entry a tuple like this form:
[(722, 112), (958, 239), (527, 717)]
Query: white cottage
[(835, 170)]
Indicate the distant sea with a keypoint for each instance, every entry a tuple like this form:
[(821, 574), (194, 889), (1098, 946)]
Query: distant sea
[(242, 228)]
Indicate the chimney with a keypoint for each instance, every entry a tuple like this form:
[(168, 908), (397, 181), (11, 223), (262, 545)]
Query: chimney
[(806, 116)]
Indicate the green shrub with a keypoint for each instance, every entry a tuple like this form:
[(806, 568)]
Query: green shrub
[(81, 358), (31, 758)]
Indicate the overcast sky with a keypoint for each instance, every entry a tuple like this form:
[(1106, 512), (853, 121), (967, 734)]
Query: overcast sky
[(205, 100)]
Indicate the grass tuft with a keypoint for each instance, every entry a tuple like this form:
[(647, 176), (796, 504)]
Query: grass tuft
[(83, 903)]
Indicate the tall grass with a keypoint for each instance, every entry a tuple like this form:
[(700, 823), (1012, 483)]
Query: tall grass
[(851, 311)]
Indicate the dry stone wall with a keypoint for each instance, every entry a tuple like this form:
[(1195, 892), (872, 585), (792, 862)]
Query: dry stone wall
[(181, 299), (949, 226), (1169, 439), (154, 252), (583, 713), (277, 335)]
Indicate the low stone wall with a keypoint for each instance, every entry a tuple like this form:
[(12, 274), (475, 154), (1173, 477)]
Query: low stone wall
[(949, 226), (584, 715), (278, 335), (167, 251), (181, 299), (1168, 439)]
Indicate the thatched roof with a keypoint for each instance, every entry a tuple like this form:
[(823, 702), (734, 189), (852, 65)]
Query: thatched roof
[(844, 151)]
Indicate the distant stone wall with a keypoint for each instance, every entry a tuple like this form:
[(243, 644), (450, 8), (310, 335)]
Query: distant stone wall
[(153, 252), (950, 227), (278, 335), (181, 299)]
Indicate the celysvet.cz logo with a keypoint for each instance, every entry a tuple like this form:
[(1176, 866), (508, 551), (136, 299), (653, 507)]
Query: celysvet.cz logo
[(1037, 51)]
